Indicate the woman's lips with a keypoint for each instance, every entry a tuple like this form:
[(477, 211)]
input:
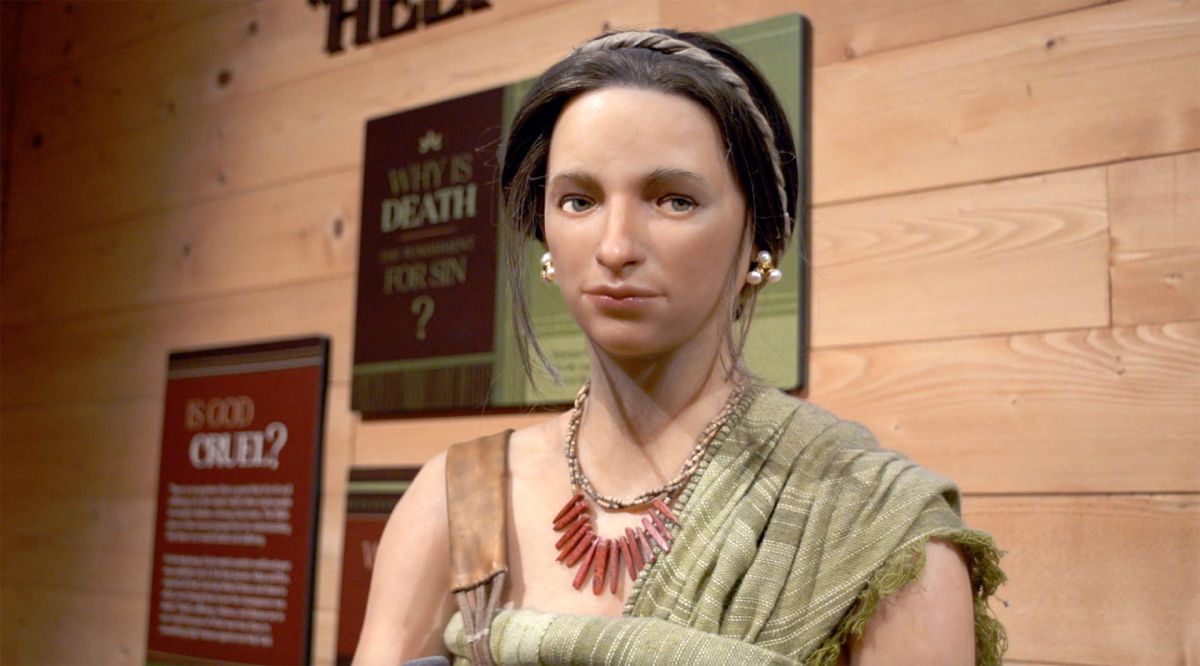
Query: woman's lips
[(623, 297)]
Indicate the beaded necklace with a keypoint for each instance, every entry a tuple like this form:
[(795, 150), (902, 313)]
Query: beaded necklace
[(601, 557)]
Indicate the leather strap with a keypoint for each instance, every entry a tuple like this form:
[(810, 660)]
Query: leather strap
[(476, 474)]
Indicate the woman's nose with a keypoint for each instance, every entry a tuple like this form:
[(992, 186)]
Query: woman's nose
[(620, 245)]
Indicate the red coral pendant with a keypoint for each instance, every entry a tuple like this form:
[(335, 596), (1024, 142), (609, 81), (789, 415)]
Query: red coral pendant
[(603, 559)]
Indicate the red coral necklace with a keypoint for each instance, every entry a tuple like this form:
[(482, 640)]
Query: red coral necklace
[(601, 557)]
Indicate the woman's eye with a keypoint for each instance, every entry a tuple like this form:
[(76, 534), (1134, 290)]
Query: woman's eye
[(678, 204), (574, 204)]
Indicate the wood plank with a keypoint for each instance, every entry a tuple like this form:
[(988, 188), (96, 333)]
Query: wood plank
[(48, 625), (286, 133), (848, 29), (1100, 410), (1115, 577), (329, 552), (1092, 86), (1155, 216), (62, 33), (1156, 286), (102, 449), (324, 637), (302, 231), (92, 543), (339, 440), (10, 40), (250, 47), (1021, 255), (415, 441), (110, 449), (1154, 204), (268, 44), (124, 354)]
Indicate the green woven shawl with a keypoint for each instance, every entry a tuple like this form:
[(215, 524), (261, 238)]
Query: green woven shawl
[(794, 528)]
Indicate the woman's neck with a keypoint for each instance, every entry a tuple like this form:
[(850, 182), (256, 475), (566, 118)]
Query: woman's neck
[(642, 417)]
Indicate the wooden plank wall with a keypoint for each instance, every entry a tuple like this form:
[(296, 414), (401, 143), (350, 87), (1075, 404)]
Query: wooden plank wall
[(1006, 262)]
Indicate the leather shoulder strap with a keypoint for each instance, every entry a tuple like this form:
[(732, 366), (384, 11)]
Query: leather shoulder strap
[(476, 472)]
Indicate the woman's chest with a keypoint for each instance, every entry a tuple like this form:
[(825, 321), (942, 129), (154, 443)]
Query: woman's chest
[(559, 570)]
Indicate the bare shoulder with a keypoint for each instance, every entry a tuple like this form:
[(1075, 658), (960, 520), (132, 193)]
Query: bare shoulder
[(929, 621), (539, 439), (410, 599)]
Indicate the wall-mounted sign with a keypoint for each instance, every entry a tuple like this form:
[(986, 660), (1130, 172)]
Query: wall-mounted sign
[(370, 497), (238, 485), (389, 17), (427, 258), (434, 322)]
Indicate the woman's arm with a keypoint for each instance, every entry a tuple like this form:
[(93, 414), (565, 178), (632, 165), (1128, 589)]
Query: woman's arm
[(410, 600), (929, 622)]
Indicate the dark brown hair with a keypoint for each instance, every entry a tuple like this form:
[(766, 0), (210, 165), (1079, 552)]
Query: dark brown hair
[(764, 167)]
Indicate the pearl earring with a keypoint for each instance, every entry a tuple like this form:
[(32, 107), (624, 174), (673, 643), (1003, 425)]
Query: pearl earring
[(764, 267), (547, 268)]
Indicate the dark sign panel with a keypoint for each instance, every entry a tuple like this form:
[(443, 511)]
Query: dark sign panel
[(371, 495), (427, 258), (239, 480)]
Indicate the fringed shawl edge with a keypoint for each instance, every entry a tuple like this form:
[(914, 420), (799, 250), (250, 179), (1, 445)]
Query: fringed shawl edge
[(903, 567)]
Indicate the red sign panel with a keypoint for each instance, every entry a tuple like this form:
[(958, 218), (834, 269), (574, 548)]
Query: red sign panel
[(235, 532), (370, 497)]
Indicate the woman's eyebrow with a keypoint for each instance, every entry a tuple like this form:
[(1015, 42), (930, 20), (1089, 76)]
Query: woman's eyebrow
[(665, 175), (659, 177), (577, 178)]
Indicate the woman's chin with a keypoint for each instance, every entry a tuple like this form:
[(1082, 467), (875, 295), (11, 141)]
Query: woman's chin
[(630, 347), (642, 343)]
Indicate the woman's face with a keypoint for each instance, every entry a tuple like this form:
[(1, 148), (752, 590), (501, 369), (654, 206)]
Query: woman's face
[(644, 219)]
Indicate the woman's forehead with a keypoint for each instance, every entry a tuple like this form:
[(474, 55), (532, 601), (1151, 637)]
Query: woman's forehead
[(625, 131)]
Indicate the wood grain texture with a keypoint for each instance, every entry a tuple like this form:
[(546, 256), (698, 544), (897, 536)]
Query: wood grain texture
[(324, 637), (1101, 410), (415, 441), (124, 355), (97, 449), (1154, 204), (340, 436), (251, 47), (1155, 216), (69, 627), (69, 31), (1034, 97), (77, 542), (1021, 255), (1108, 580), (288, 133), (10, 42), (328, 572), (1156, 286), (298, 232), (848, 29)]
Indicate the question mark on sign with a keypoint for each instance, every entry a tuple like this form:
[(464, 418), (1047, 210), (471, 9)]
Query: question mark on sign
[(422, 306)]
